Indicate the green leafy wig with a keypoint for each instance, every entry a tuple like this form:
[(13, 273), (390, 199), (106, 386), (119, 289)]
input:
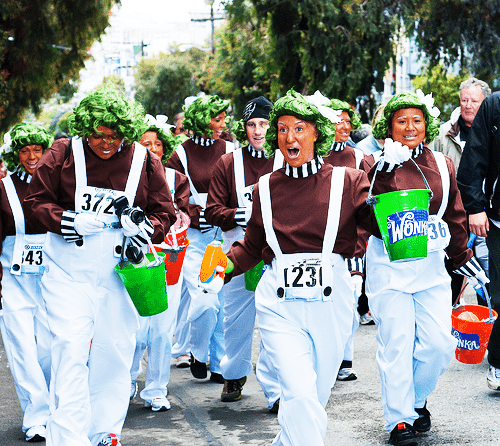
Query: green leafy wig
[(198, 115), (22, 135), (295, 104), (239, 130), (405, 100), (170, 142), (109, 108), (337, 104)]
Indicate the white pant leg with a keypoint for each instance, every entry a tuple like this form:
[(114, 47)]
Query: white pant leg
[(239, 322), (267, 377), (181, 332), (411, 305), (349, 348), (86, 302), (159, 344), (205, 315), (27, 341), (306, 342)]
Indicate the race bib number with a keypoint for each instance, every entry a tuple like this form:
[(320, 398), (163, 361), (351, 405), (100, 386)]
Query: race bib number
[(32, 261), (304, 274), (97, 201), (246, 196), (438, 234)]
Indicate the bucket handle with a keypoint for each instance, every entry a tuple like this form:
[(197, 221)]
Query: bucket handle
[(157, 261), (372, 200), (491, 319)]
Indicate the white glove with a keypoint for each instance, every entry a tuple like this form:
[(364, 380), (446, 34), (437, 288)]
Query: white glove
[(215, 285), (86, 224), (242, 216), (130, 229), (395, 152), (357, 284)]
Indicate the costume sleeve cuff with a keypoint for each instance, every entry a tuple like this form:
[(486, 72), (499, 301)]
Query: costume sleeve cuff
[(68, 230), (139, 240), (471, 268)]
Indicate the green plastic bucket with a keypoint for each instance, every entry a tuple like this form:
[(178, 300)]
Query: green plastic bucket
[(252, 276), (146, 286), (402, 218)]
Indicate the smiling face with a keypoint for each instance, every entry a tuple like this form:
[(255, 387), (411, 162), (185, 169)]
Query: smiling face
[(29, 157), (408, 127), (105, 142), (343, 128), (151, 141), (296, 140), (256, 132), (217, 124)]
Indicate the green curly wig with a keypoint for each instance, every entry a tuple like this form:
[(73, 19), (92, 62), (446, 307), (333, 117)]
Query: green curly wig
[(25, 134), (198, 115), (405, 100), (170, 142), (337, 104), (109, 108), (239, 130), (295, 104)]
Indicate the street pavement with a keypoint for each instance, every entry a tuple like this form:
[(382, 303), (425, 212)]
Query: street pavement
[(464, 411)]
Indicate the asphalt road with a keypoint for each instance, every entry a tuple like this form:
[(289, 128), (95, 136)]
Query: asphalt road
[(464, 411)]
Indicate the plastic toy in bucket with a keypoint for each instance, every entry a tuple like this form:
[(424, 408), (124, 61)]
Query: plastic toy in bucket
[(402, 218), (145, 286), (472, 332), (174, 258), (252, 276)]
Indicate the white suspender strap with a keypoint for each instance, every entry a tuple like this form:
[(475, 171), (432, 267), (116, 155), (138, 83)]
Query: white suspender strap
[(134, 175), (239, 173), (170, 175), (230, 147), (15, 205), (183, 159), (267, 214), (358, 154), (445, 180), (278, 160), (80, 167), (333, 219)]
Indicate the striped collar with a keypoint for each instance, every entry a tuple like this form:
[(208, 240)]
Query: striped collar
[(307, 169), (417, 151), (255, 153), (204, 142), (22, 174), (338, 146)]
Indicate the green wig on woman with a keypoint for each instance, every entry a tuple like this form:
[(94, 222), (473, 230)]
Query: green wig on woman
[(198, 115)]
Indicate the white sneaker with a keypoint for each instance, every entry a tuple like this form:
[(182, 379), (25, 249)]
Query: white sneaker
[(134, 387), (493, 378), (109, 440), (346, 374), (366, 319), (158, 404), (35, 434), (182, 362)]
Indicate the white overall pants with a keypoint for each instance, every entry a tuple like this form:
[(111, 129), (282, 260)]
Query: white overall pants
[(25, 333), (156, 333), (94, 323), (239, 307), (205, 316), (411, 304), (305, 334)]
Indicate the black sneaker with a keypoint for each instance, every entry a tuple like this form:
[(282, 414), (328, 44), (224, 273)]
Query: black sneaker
[(198, 369), (423, 422), (232, 389), (403, 435), (216, 378), (276, 407)]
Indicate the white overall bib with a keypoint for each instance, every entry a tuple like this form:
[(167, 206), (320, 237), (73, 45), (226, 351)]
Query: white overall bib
[(304, 312), (24, 326), (156, 334), (239, 304), (411, 304), (86, 301)]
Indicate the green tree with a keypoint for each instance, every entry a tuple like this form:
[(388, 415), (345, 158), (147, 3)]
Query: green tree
[(444, 88), (114, 81), (43, 44), (163, 82)]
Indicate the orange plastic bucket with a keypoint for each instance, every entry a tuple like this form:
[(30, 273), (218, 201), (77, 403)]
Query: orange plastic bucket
[(472, 336), (174, 259)]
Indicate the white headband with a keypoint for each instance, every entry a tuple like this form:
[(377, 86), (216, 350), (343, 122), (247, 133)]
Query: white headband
[(318, 100)]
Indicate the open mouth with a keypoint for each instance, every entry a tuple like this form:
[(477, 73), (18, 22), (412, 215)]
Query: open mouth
[(293, 152)]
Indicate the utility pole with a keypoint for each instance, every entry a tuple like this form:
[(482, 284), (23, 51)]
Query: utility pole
[(212, 19)]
